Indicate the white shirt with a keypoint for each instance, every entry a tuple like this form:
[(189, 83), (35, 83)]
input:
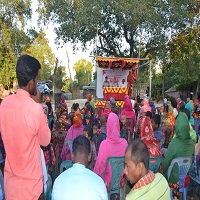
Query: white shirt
[(77, 183), (123, 85)]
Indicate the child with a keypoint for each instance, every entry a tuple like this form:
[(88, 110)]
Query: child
[(103, 124), (125, 129), (88, 133), (155, 121), (98, 136)]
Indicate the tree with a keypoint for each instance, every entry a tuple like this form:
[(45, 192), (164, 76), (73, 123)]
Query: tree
[(83, 71), (185, 59), (120, 24), (41, 50), (61, 77), (13, 16)]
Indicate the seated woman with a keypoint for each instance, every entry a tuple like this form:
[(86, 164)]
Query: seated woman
[(88, 114), (147, 136), (129, 113), (181, 145), (167, 126), (75, 130), (60, 126), (112, 146)]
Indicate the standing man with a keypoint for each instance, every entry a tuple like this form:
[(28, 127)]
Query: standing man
[(78, 182), (147, 185), (106, 83), (24, 128)]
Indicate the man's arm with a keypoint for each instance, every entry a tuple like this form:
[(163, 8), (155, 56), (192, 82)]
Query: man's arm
[(44, 133)]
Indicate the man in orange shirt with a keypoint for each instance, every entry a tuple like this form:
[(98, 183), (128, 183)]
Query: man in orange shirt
[(24, 128)]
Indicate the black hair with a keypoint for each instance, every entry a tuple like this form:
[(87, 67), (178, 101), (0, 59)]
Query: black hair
[(198, 96), (166, 108), (139, 152), (75, 106), (187, 112), (81, 145), (49, 107), (149, 114), (156, 119), (173, 102), (27, 69), (89, 130), (96, 123)]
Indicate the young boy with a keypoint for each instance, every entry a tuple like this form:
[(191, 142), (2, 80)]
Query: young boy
[(103, 124), (88, 133), (155, 121), (98, 136), (125, 129)]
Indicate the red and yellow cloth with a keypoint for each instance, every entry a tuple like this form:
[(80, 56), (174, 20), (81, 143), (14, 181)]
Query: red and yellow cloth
[(145, 180)]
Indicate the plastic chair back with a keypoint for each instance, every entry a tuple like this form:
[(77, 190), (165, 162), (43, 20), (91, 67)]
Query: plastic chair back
[(65, 165), (117, 166), (195, 173), (155, 163), (184, 164), (2, 193), (47, 193)]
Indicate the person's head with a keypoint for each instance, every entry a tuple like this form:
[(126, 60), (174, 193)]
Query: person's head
[(182, 127), (187, 112), (62, 108), (136, 161), (103, 120), (155, 121), (89, 97), (45, 109), (149, 114), (27, 73), (106, 78), (49, 107), (123, 119), (112, 102), (198, 96), (81, 152), (47, 99), (162, 109), (75, 107), (77, 120), (115, 80), (57, 112), (95, 127), (173, 102), (88, 132), (123, 80)]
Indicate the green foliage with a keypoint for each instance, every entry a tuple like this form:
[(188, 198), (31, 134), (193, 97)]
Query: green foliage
[(83, 71), (120, 24), (41, 50), (60, 78), (185, 59), (13, 16)]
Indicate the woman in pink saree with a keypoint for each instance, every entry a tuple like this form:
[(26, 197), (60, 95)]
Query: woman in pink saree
[(112, 146), (129, 112)]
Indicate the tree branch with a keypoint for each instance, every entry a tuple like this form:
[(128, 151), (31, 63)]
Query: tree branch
[(109, 44)]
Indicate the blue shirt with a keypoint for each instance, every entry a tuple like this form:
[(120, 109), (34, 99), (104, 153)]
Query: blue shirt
[(77, 183)]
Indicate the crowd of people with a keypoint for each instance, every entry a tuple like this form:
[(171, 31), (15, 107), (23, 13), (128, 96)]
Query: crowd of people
[(33, 133)]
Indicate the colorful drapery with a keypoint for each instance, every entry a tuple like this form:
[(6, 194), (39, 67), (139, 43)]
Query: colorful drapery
[(116, 92)]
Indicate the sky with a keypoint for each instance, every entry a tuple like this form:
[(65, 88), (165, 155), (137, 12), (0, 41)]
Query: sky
[(60, 52)]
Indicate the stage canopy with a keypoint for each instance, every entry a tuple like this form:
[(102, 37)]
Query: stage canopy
[(117, 63)]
